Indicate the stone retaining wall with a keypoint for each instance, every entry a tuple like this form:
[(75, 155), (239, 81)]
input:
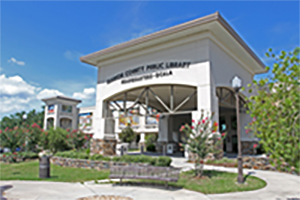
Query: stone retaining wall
[(106, 147), (262, 163), (249, 162), (89, 164)]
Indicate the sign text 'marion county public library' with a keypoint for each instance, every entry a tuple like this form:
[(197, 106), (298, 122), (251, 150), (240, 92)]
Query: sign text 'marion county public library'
[(149, 68)]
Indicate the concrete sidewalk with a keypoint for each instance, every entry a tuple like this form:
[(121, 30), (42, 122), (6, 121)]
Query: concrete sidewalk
[(280, 186), (37, 190)]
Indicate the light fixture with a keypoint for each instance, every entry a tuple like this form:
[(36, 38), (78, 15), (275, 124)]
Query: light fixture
[(236, 83)]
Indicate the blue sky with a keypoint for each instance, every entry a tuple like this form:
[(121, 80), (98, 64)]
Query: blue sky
[(41, 42)]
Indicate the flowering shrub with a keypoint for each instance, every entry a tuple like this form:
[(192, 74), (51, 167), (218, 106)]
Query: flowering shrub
[(202, 138), (76, 139), (60, 139), (32, 137), (12, 138), (11, 157), (18, 156)]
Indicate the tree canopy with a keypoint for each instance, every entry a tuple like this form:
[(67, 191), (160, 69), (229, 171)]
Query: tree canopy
[(17, 119), (275, 110)]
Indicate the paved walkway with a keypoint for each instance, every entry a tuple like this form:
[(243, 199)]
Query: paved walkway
[(280, 186)]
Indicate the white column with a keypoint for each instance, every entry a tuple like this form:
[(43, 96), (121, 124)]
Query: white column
[(75, 111), (142, 138), (56, 116), (163, 129), (45, 117), (99, 122)]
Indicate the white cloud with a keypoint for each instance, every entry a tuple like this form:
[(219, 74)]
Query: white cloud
[(88, 93), (72, 55), (13, 60), (18, 95), (45, 93), (15, 85)]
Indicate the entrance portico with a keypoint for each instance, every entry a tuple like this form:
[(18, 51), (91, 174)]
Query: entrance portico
[(178, 72)]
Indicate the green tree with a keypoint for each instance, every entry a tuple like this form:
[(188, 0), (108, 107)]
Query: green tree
[(201, 139), (17, 119), (127, 135), (275, 110)]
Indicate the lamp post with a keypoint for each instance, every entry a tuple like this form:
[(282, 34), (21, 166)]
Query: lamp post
[(24, 120), (237, 85)]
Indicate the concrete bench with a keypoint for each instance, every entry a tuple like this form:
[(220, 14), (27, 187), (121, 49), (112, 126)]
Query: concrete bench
[(2, 190), (167, 174)]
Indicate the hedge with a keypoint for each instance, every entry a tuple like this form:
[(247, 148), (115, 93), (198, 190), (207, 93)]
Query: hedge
[(163, 161)]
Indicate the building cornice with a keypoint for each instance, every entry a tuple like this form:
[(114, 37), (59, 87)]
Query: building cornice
[(148, 40), (62, 98)]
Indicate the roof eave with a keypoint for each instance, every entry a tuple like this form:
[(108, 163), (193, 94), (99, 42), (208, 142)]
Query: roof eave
[(91, 58)]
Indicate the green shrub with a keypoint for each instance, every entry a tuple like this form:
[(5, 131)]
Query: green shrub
[(56, 140), (12, 138), (99, 157), (18, 156), (151, 147), (33, 137), (61, 140), (160, 161), (127, 135), (150, 142), (163, 161), (29, 155)]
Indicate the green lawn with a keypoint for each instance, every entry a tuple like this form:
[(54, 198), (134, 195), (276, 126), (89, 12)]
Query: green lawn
[(30, 171), (214, 182)]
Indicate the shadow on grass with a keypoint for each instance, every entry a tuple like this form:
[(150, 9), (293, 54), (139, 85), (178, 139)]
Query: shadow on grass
[(247, 175), (152, 184), (206, 173)]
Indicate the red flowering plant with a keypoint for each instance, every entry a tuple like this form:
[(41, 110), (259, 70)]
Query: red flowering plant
[(60, 139), (33, 137), (76, 139), (201, 138), (11, 138)]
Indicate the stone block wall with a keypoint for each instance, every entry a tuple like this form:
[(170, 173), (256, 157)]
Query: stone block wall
[(247, 147), (89, 164), (106, 147), (262, 163)]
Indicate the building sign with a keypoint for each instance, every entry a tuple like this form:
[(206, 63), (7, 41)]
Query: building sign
[(85, 121), (50, 109), (164, 67)]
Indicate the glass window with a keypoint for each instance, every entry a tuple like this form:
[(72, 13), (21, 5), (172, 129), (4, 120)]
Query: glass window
[(223, 126), (66, 108), (233, 123)]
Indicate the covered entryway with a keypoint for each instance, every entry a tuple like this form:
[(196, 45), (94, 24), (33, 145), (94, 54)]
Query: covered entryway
[(163, 108)]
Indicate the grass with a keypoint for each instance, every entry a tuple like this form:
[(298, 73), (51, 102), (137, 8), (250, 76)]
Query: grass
[(213, 182), (30, 171)]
